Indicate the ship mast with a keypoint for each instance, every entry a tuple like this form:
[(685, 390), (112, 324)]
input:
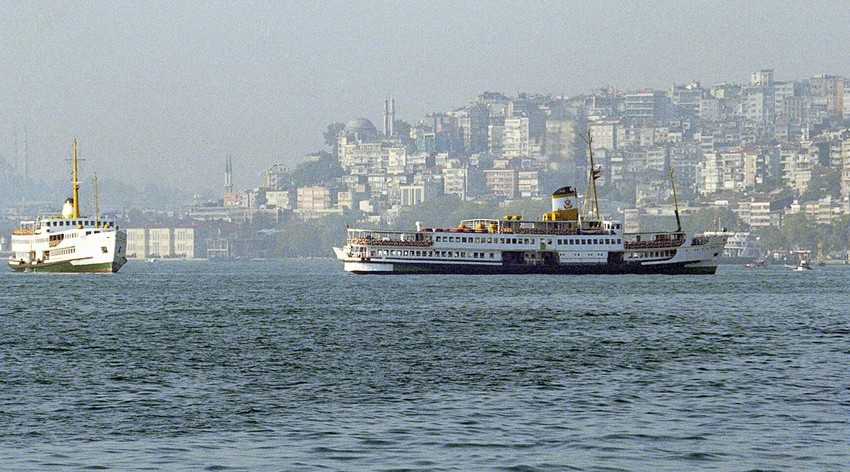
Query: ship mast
[(675, 202), (96, 209), (76, 184), (591, 200)]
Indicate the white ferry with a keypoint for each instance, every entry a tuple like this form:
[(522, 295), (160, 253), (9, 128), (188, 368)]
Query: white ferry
[(564, 242), (740, 248), (70, 242)]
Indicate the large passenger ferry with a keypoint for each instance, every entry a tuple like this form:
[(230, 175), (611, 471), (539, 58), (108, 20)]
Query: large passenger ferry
[(565, 241), (69, 242)]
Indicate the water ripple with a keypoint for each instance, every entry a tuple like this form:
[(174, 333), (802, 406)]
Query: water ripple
[(294, 365)]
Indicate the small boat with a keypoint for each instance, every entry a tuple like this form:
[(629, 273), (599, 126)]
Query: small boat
[(758, 263), (803, 262)]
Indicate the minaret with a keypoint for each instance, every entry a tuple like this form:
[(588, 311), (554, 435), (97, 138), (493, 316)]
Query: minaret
[(386, 118), (228, 175), (392, 117)]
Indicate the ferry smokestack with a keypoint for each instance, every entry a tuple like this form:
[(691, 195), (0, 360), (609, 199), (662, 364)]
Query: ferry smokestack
[(564, 204)]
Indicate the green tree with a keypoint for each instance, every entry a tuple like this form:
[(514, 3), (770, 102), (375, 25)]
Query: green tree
[(331, 135), (713, 218), (310, 238), (401, 128), (317, 171), (825, 182)]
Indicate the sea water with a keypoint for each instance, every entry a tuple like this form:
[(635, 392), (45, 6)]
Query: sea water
[(297, 365)]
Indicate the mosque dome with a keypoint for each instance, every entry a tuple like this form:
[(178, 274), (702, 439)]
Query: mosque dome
[(361, 127)]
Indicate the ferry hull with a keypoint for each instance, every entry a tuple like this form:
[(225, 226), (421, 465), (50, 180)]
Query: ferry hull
[(70, 267), (680, 268)]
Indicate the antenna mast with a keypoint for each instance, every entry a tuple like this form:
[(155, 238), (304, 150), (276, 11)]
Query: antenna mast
[(96, 209), (76, 184), (592, 198), (675, 202)]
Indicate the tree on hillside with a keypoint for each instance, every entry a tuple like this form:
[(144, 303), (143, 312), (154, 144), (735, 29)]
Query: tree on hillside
[(713, 218), (331, 135), (401, 128), (317, 171), (825, 182)]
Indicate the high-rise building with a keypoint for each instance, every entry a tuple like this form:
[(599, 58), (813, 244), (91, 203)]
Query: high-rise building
[(761, 78)]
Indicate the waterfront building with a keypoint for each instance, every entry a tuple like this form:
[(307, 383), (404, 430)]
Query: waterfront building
[(604, 134), (528, 183), (314, 198), (796, 165), (501, 182), (845, 169), (686, 98), (646, 105), (284, 199), (456, 180), (721, 172), (276, 178), (830, 87)]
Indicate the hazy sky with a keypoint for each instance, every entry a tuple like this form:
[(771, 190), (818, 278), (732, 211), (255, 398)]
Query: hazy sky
[(163, 91)]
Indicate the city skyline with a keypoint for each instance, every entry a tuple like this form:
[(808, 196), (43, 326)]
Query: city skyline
[(163, 93)]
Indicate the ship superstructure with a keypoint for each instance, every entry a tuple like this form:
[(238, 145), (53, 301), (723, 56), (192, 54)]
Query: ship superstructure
[(69, 242)]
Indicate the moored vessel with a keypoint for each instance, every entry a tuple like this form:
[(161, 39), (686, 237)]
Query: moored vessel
[(565, 241), (69, 242), (741, 248)]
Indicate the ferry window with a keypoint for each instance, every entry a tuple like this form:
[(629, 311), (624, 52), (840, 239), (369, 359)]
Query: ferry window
[(463, 240), (492, 256), (595, 241)]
